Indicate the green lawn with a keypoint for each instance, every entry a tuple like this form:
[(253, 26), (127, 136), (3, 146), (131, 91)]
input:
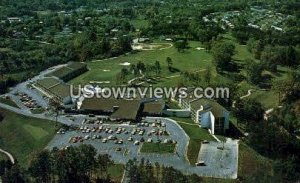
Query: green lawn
[(268, 99), (38, 111), (8, 102), (158, 148), (36, 132), (190, 60), (250, 163), (116, 172), (21, 135), (196, 134)]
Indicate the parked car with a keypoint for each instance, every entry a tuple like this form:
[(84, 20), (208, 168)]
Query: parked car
[(200, 163), (118, 149), (130, 139)]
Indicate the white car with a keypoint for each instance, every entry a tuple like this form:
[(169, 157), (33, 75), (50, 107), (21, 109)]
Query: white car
[(111, 137), (130, 139), (136, 142), (86, 137), (104, 140)]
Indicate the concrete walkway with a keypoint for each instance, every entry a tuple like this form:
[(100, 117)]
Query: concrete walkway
[(11, 158)]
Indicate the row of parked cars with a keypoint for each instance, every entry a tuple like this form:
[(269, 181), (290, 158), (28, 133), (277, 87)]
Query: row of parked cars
[(100, 121), (28, 101), (117, 140), (120, 130)]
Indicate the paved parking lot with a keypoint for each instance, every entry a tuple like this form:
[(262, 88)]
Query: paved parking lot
[(178, 160), (219, 156)]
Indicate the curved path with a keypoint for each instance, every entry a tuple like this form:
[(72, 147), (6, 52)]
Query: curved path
[(267, 112), (249, 92), (11, 158), (136, 78)]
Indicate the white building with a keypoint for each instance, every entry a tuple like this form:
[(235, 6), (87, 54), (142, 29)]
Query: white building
[(208, 113)]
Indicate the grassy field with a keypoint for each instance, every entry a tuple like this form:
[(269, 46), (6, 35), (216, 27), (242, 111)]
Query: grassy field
[(8, 102), (268, 99), (190, 60), (158, 148), (196, 134), (3, 157), (250, 163), (22, 135), (116, 172), (38, 111)]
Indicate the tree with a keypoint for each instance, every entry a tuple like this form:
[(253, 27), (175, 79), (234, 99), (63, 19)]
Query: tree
[(249, 110), (222, 54), (104, 162), (181, 45), (208, 75), (280, 87), (1, 117), (55, 106), (169, 63), (14, 175), (133, 172), (141, 66), (40, 166), (254, 71), (157, 67)]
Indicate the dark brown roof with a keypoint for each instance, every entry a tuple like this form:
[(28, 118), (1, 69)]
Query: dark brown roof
[(209, 105), (154, 107), (120, 108)]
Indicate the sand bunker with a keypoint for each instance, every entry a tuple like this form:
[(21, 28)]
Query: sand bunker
[(125, 64), (200, 48), (99, 82)]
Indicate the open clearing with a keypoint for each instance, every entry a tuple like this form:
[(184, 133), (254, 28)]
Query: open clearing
[(190, 60), (22, 135)]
